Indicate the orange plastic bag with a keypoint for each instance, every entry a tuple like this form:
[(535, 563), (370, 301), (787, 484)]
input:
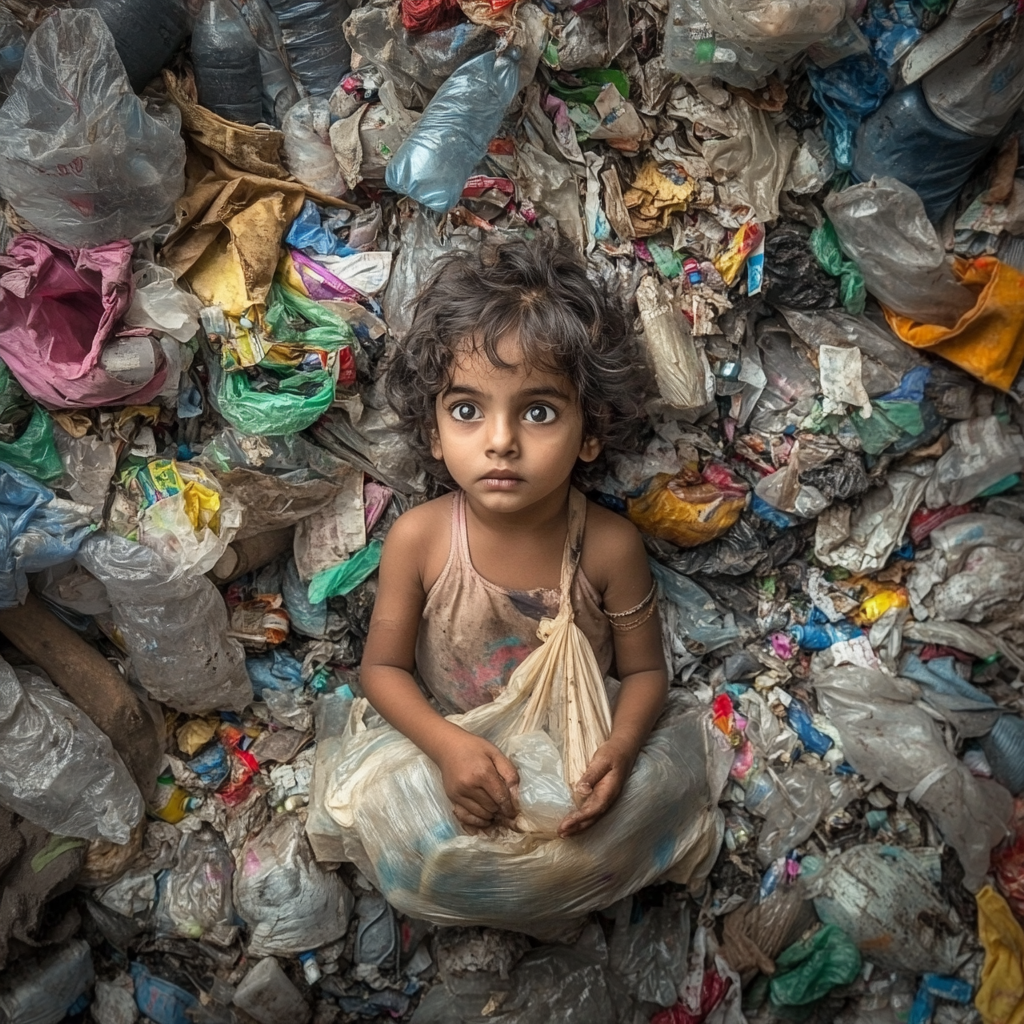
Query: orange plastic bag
[(690, 508), (988, 340)]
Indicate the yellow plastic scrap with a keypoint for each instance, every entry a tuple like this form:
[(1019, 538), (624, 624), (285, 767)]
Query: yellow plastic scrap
[(730, 262), (195, 734), (1000, 999), (685, 511), (655, 196), (874, 607)]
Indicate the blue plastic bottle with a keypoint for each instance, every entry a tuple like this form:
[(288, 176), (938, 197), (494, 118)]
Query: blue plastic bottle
[(449, 140)]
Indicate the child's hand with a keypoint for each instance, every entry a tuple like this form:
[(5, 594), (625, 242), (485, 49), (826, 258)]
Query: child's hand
[(479, 780), (600, 786)]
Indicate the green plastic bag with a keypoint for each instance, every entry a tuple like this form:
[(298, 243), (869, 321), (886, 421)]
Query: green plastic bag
[(35, 452), (279, 399), (825, 246), (298, 401), (808, 970), (294, 318), (346, 576)]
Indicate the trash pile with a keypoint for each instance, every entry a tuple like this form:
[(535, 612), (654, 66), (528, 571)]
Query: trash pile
[(217, 214)]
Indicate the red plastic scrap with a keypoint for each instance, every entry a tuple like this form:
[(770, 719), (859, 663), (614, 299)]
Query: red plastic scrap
[(924, 520), (430, 15), (1008, 862), (712, 991)]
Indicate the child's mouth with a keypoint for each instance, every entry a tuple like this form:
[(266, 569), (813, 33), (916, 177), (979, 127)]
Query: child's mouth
[(501, 482)]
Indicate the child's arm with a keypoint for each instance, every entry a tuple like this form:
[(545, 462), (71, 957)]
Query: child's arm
[(639, 660), (477, 776)]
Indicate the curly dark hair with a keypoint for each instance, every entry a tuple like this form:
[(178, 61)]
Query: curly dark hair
[(537, 291)]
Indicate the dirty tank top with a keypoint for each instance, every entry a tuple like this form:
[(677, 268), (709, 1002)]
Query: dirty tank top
[(474, 634)]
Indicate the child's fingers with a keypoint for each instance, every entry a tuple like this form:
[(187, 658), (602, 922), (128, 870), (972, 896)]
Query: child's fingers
[(596, 771), (510, 777), (476, 803), (468, 819), (603, 796)]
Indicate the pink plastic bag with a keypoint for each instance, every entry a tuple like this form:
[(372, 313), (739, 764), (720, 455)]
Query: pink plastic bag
[(59, 308)]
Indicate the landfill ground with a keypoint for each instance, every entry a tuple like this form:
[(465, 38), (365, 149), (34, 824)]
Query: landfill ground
[(217, 215)]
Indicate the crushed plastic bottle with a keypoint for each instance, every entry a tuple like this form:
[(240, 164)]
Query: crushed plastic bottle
[(226, 60), (435, 161)]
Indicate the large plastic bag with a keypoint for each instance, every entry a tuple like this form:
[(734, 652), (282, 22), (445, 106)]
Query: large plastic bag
[(398, 826), (869, 708), (988, 339), (37, 530), (288, 901), (883, 228), (173, 626), (195, 894), (883, 898), (56, 768), (59, 310), (81, 157)]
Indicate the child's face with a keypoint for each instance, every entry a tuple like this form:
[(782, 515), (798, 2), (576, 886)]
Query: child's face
[(509, 438)]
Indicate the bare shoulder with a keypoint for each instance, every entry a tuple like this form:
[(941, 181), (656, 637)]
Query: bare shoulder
[(612, 546), (421, 537)]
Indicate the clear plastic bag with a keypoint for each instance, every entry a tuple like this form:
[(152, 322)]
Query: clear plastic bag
[(12, 51), (398, 826), (307, 146), (885, 901), (195, 895), (448, 141), (280, 91), (980, 88), (422, 60), (695, 51), (685, 380), (544, 798), (882, 226), (81, 156), (288, 901), (778, 30), (983, 453), (869, 708), (174, 627), (56, 768)]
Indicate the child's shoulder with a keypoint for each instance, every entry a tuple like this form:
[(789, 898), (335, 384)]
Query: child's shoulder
[(422, 522), (610, 541)]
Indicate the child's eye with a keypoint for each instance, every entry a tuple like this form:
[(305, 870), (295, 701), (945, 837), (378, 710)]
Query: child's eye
[(464, 412), (540, 414)]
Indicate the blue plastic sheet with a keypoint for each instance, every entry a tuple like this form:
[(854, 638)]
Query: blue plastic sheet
[(847, 92), (278, 671), (37, 531), (308, 232)]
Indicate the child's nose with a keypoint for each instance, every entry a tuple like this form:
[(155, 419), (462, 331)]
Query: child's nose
[(502, 438)]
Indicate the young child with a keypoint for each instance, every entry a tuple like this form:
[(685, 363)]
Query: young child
[(515, 372)]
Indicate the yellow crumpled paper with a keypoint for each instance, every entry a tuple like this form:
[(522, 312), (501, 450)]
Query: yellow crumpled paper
[(654, 197), (1000, 999)]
